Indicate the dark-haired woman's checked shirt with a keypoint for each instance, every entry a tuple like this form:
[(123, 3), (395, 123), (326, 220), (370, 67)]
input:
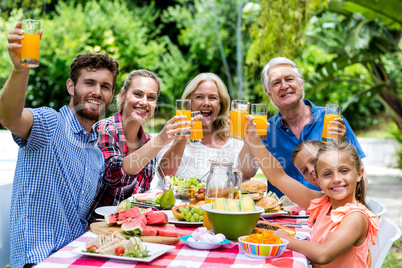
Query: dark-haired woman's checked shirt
[(113, 144)]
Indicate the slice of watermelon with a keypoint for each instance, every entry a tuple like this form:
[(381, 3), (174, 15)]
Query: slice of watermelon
[(167, 230), (123, 215), (157, 218), (149, 231), (141, 216), (133, 226)]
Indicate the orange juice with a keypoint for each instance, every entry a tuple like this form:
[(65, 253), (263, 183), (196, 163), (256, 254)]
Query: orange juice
[(206, 220), (196, 131), (261, 125), (30, 49), (187, 113), (237, 124), (325, 136)]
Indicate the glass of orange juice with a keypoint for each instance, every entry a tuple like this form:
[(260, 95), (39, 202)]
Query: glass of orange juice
[(259, 111), (237, 119), (183, 107), (197, 133), (30, 43), (332, 111)]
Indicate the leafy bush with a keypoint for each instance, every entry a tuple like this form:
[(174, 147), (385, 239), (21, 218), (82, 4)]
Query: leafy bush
[(130, 36), (397, 135)]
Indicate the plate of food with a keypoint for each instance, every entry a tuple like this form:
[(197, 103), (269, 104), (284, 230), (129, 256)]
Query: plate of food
[(129, 249), (155, 250), (184, 189), (273, 214), (301, 236), (107, 210), (182, 222), (272, 206), (201, 238), (296, 212)]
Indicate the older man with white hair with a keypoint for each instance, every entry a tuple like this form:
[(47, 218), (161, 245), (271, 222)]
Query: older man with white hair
[(298, 120)]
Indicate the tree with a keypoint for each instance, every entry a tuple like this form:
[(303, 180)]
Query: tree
[(368, 33), (211, 31), (279, 31), (99, 26)]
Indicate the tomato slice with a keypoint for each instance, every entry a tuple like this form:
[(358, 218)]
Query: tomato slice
[(119, 251), (92, 248)]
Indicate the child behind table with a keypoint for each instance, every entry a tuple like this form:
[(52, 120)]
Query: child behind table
[(343, 226), (303, 158)]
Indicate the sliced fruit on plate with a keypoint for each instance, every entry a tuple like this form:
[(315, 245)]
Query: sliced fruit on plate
[(157, 218), (134, 226), (167, 230), (149, 231), (124, 205), (123, 215), (177, 212)]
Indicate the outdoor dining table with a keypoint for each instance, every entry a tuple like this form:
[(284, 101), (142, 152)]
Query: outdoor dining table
[(229, 255)]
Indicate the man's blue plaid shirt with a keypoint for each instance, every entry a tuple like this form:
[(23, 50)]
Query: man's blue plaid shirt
[(59, 170)]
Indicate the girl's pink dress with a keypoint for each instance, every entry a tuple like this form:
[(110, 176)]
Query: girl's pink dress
[(324, 225)]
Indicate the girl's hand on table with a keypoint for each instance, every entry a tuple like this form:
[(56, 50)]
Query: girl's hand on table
[(282, 234)]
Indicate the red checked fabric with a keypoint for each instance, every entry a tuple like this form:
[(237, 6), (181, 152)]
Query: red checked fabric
[(182, 256)]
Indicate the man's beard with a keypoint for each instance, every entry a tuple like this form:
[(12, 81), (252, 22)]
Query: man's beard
[(79, 102)]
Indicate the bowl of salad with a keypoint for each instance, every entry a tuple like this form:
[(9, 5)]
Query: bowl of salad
[(183, 188)]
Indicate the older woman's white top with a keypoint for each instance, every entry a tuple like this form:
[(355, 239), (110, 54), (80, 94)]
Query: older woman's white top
[(196, 158)]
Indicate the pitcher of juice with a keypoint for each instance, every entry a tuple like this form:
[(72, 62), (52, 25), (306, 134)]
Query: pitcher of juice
[(222, 181)]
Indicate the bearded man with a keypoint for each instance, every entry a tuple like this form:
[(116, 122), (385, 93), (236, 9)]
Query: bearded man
[(59, 166)]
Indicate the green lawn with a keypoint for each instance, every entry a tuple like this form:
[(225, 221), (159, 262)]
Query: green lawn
[(381, 131), (394, 257)]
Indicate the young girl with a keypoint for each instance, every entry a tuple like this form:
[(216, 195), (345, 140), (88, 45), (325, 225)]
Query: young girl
[(343, 226)]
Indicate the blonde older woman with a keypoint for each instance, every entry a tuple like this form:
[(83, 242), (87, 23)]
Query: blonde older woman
[(209, 95)]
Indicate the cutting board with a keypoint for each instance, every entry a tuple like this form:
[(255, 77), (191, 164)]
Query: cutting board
[(102, 228)]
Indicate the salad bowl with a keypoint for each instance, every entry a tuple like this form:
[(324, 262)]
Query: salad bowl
[(183, 188)]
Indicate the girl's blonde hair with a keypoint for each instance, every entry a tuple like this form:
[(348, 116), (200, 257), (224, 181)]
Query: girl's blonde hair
[(221, 121), (307, 144), (350, 150), (127, 83)]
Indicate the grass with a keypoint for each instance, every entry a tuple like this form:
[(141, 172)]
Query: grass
[(394, 257), (381, 131)]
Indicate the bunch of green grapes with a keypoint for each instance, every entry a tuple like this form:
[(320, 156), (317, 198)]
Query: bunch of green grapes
[(192, 214)]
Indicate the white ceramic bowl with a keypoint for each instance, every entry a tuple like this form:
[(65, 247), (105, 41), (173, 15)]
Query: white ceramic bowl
[(203, 245)]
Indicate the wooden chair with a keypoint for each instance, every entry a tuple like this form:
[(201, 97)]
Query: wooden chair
[(387, 235)]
